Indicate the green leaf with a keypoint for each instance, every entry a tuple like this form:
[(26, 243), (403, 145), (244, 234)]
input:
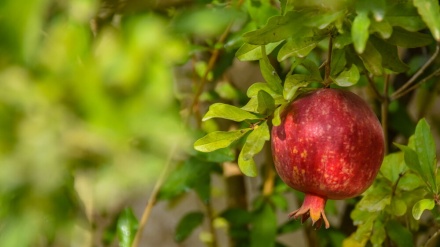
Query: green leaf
[(422, 205), (283, 6), (218, 139), (342, 40), (398, 207), (220, 110), (377, 199), (392, 167), (253, 145), (411, 158), (378, 235), (313, 69), (278, 28), (430, 12), (372, 60), (269, 74), (410, 182), (399, 234), (390, 57), (291, 86), (266, 103), (298, 47), (277, 114), (425, 149), (187, 224), (264, 227), (193, 173), (289, 226), (359, 31), (338, 61), (407, 39), (255, 88), (348, 77), (383, 28), (404, 15), (248, 52), (126, 227), (218, 156)]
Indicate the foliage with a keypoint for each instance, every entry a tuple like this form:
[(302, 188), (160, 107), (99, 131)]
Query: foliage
[(98, 98)]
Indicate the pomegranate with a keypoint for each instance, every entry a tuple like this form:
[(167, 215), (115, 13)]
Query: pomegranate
[(329, 145)]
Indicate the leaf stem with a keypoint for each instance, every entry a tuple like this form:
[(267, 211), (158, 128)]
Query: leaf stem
[(402, 90), (152, 199), (327, 80)]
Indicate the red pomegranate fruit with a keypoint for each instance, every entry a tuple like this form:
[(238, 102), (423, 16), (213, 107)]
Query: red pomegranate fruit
[(329, 145)]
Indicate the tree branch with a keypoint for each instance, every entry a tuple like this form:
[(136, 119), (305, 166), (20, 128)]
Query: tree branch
[(152, 200), (433, 74), (400, 92)]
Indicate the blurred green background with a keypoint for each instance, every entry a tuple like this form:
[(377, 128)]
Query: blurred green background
[(87, 114)]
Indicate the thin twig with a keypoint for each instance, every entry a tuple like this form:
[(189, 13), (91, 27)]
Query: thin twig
[(431, 238), (384, 111), (398, 93), (435, 73), (210, 214), (152, 200), (373, 86), (329, 62)]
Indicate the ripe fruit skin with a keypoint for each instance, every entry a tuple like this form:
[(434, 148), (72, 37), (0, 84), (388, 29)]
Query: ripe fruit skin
[(329, 145)]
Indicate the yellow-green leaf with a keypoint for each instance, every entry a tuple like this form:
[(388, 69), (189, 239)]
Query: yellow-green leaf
[(218, 139)]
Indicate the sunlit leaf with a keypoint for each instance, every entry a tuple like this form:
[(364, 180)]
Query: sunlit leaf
[(291, 86), (248, 52), (412, 161), (253, 145), (430, 12), (126, 227), (264, 227), (410, 182), (218, 139), (393, 167), (269, 74), (277, 114), (422, 205), (378, 235), (298, 47), (220, 110), (348, 77), (398, 207), (278, 28), (426, 152), (383, 28), (187, 224), (255, 88), (376, 200), (359, 31)]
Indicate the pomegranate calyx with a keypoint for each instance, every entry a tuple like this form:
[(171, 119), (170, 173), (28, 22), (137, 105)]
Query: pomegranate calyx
[(313, 208)]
